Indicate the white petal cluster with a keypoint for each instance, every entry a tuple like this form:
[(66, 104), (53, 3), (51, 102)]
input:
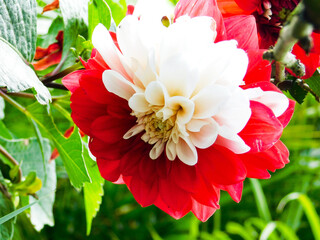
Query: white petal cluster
[(182, 87)]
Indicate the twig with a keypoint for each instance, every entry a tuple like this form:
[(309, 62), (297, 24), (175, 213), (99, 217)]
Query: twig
[(12, 160), (298, 28), (62, 73), (56, 86), (306, 87)]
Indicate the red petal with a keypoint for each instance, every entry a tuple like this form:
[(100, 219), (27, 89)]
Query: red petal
[(220, 165), (244, 30), (130, 9), (109, 170), (258, 69), (201, 211), (52, 6), (235, 190), (95, 62), (310, 61), (110, 129), (47, 61), (145, 193), (263, 129), (91, 82), (71, 81), (230, 8), (316, 43), (274, 158), (287, 115), (85, 111), (248, 5), (195, 8)]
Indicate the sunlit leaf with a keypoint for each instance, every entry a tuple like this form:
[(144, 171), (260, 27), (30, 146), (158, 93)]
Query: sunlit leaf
[(93, 191), (22, 79), (118, 9), (99, 12), (18, 25)]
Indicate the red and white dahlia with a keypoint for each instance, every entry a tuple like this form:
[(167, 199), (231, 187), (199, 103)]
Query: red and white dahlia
[(169, 114)]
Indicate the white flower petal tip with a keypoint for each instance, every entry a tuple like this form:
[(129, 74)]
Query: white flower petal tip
[(182, 87)]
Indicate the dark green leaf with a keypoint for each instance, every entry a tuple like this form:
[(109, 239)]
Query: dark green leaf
[(314, 83), (21, 80), (99, 12), (93, 191), (6, 228), (297, 92), (55, 27), (18, 25)]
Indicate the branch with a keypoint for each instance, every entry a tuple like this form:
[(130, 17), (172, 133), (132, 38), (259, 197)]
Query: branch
[(12, 160), (297, 29)]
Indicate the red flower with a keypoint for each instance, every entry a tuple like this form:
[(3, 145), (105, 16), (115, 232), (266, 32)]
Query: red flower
[(47, 57), (270, 16), (52, 6), (168, 114)]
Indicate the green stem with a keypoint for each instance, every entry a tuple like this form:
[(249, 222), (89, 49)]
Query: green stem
[(12, 102)]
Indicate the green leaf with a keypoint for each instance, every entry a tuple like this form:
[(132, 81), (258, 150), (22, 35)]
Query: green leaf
[(70, 149), (26, 152), (314, 83), (93, 191), (4, 132), (308, 208), (284, 229), (18, 25), (50, 37), (1, 108), (22, 79), (6, 228), (118, 9), (297, 92), (75, 18), (99, 12), (261, 201)]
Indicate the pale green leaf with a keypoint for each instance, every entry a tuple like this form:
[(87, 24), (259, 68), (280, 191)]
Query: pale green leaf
[(284, 229), (17, 76), (18, 25), (99, 12), (118, 9), (26, 152), (70, 149), (93, 191), (6, 228)]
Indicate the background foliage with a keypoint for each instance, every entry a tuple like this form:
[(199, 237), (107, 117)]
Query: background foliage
[(74, 202)]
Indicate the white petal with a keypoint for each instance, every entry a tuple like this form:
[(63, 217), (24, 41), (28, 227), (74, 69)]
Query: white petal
[(171, 150), (206, 136), (136, 129), (117, 84), (231, 141), (236, 112), (209, 101), (277, 102), (184, 106), (129, 40), (186, 152), (138, 103), (103, 42), (156, 93), (196, 124), (157, 150)]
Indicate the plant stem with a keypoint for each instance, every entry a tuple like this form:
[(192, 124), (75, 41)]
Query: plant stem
[(4, 152), (62, 74), (12, 102), (56, 86)]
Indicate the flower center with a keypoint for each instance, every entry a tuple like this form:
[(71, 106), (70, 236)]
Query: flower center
[(156, 128)]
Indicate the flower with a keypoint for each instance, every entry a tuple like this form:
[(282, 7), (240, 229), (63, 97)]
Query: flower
[(169, 114), (52, 6), (49, 56), (270, 16)]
